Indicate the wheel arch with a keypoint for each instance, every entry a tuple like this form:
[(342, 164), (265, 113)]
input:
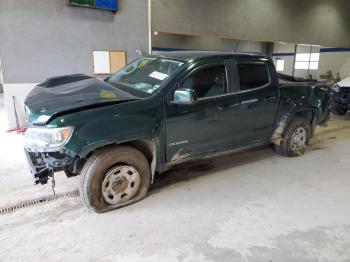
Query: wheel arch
[(285, 120), (146, 146), (308, 114)]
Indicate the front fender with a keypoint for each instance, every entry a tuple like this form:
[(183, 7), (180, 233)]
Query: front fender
[(100, 127)]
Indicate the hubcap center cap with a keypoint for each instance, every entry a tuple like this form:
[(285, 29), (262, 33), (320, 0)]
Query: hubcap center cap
[(120, 185), (299, 137)]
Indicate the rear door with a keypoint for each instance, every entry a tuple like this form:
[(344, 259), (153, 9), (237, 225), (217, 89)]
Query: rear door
[(257, 104)]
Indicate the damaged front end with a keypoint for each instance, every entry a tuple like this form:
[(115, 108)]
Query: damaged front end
[(45, 152), (44, 165)]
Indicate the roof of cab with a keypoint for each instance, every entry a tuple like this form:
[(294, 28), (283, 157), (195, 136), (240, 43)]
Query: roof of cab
[(194, 55)]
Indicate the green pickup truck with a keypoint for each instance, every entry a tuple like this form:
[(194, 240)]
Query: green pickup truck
[(160, 111)]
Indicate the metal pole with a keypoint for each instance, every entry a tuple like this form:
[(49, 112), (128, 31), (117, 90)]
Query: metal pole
[(308, 68), (150, 26), (295, 54)]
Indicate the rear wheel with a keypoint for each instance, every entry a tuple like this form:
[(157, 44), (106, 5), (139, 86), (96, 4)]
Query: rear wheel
[(341, 111), (113, 178), (295, 138)]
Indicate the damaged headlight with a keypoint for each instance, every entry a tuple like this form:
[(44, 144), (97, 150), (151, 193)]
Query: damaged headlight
[(336, 88), (38, 139)]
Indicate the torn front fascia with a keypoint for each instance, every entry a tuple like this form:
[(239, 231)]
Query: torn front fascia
[(43, 165)]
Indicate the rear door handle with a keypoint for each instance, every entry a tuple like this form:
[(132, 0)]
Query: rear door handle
[(270, 98)]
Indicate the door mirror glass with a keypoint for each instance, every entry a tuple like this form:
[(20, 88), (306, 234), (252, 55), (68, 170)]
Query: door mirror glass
[(184, 97)]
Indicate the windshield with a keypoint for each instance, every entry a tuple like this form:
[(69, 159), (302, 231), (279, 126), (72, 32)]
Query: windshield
[(146, 74)]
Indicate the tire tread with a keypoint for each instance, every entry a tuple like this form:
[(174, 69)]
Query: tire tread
[(89, 169)]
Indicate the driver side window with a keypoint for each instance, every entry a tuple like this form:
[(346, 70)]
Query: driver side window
[(207, 82)]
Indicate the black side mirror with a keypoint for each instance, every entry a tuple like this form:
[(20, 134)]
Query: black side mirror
[(106, 78)]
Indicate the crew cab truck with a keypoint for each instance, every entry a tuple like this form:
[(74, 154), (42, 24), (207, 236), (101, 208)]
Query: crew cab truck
[(160, 111)]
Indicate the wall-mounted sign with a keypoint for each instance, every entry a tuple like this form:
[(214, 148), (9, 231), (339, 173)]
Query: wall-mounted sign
[(108, 62), (99, 4)]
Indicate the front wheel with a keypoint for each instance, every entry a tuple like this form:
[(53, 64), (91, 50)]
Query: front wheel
[(295, 138), (113, 178)]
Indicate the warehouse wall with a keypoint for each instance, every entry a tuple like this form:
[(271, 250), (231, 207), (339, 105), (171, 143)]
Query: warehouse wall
[(41, 38), (173, 41), (336, 60), (320, 22)]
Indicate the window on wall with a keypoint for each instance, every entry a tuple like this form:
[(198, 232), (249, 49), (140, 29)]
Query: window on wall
[(280, 65), (307, 57)]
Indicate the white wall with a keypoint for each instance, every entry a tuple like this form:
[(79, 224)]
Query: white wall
[(337, 62), (20, 92), (206, 43)]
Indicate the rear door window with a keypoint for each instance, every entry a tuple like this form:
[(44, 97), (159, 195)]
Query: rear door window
[(252, 76)]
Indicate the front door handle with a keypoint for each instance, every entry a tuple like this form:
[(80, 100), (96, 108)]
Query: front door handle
[(224, 107), (251, 101)]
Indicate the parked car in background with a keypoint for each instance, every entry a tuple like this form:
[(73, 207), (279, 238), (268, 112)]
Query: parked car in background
[(163, 110), (341, 96)]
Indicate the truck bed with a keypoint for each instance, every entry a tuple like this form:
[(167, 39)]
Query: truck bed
[(287, 80)]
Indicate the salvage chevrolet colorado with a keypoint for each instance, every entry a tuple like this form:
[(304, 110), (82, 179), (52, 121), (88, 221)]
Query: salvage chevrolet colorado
[(160, 111)]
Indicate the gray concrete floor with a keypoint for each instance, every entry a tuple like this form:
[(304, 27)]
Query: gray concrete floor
[(249, 206)]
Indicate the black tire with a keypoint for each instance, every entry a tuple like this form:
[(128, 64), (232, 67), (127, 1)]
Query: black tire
[(96, 169), (341, 111), (285, 148)]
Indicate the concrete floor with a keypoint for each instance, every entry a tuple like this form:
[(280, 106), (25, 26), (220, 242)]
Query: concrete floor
[(250, 206)]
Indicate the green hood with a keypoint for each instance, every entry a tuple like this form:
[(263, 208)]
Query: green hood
[(60, 95)]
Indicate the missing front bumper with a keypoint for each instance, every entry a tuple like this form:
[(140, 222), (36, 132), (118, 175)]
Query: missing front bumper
[(43, 165)]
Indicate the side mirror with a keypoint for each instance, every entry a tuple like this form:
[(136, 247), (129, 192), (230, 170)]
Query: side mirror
[(106, 78), (184, 97)]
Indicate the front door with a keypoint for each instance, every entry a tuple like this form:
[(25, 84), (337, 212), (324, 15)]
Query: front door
[(201, 127)]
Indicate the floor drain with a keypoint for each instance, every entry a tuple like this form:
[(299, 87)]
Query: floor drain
[(30, 203)]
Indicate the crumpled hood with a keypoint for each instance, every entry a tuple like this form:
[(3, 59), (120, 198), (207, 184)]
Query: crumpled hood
[(66, 93)]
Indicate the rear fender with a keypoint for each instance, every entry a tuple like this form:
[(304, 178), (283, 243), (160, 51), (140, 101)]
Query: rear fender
[(286, 119)]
